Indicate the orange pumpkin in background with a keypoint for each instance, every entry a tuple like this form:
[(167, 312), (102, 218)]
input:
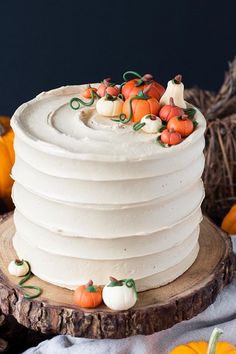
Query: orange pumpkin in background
[(7, 158), (139, 106), (87, 93), (132, 87), (170, 110), (88, 296), (182, 125), (229, 221), (213, 347), (107, 87)]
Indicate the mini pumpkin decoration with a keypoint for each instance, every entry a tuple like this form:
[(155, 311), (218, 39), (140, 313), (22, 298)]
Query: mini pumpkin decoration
[(149, 124), (109, 106), (120, 295), (7, 158), (132, 87), (170, 137), (107, 87), (229, 221), (139, 106), (21, 268), (170, 110), (175, 89), (213, 347), (18, 268), (182, 125), (76, 102), (88, 296), (87, 93)]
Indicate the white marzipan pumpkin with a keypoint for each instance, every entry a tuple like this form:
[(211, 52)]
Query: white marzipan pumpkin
[(18, 268), (175, 89), (109, 107), (120, 297), (152, 123)]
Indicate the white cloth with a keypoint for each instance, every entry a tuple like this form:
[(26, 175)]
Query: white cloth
[(221, 314)]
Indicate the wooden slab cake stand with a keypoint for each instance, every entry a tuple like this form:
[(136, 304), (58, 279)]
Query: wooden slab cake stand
[(156, 310)]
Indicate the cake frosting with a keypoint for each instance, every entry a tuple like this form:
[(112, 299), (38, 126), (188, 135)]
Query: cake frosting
[(94, 198)]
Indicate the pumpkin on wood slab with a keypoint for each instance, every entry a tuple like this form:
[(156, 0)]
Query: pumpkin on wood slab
[(213, 347), (7, 158), (229, 221), (120, 295), (18, 268), (88, 295)]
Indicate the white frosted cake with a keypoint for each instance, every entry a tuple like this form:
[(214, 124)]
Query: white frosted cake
[(96, 198)]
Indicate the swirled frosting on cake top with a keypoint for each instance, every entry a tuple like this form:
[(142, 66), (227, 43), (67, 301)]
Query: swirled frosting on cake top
[(49, 123)]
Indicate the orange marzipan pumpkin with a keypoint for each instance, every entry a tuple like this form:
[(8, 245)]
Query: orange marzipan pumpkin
[(7, 158), (182, 125), (106, 87), (229, 221), (212, 347), (140, 108), (88, 295), (87, 93), (201, 348), (170, 110), (129, 89), (170, 137)]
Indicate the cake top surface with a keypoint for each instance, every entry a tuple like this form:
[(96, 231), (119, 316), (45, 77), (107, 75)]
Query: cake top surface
[(101, 130)]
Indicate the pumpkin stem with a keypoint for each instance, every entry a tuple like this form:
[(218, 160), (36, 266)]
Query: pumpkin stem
[(146, 89), (113, 279), (171, 102), (213, 340), (90, 283), (2, 130), (121, 96), (19, 262), (90, 287), (115, 282), (152, 116), (147, 77), (178, 79), (110, 97), (184, 116), (107, 81)]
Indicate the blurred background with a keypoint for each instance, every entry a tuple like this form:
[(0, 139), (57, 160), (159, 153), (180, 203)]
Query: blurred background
[(45, 44)]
